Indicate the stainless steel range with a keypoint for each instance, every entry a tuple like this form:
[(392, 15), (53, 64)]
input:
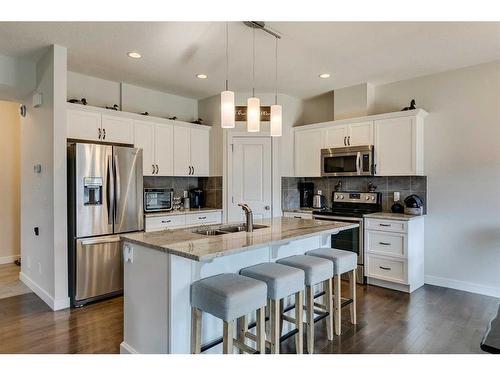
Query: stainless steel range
[(350, 207)]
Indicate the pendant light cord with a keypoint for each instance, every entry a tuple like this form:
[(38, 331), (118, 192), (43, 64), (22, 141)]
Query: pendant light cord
[(253, 68), (227, 55), (276, 73)]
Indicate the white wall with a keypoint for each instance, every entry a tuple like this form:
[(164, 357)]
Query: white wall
[(17, 77), (462, 162), (10, 180), (43, 195), (100, 92), (354, 101)]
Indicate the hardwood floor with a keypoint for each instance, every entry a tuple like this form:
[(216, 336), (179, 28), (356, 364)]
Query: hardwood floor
[(10, 285), (431, 320)]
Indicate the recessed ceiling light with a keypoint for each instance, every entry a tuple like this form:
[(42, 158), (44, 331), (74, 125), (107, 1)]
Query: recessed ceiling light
[(324, 75), (202, 76), (134, 55)]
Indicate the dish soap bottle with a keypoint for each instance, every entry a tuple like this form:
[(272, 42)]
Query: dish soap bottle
[(397, 207)]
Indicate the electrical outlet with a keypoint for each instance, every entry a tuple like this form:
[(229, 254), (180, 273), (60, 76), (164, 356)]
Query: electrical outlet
[(39, 268), (128, 254)]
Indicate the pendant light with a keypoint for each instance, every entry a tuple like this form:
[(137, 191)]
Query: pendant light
[(253, 103), (227, 97), (276, 111)]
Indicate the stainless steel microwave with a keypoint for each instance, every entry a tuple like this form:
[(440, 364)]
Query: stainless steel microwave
[(347, 161)]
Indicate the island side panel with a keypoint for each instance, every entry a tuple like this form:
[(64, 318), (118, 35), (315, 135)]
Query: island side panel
[(145, 301)]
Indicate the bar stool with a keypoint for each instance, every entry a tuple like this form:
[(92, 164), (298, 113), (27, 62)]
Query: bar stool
[(282, 281), (343, 262), (228, 297), (316, 271)]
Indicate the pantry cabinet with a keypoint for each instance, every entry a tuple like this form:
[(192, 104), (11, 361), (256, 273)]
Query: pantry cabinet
[(191, 150), (156, 140)]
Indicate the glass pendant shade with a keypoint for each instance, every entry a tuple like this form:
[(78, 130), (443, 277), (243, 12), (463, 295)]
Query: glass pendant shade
[(253, 114), (227, 109), (276, 120)]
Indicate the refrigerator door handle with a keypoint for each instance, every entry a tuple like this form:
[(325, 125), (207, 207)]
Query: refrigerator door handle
[(117, 185), (110, 189)]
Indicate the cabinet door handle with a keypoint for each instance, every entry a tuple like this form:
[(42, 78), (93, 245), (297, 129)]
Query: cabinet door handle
[(349, 140), (153, 168), (385, 225), (385, 243), (99, 132), (385, 268), (345, 141), (103, 133), (193, 170), (166, 221), (157, 169)]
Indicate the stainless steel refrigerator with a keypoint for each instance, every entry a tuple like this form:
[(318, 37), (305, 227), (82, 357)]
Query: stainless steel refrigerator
[(105, 192)]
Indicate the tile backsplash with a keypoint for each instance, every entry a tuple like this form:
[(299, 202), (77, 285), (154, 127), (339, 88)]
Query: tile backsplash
[(406, 185), (211, 185)]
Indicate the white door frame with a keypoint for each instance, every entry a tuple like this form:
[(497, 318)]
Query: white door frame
[(228, 136)]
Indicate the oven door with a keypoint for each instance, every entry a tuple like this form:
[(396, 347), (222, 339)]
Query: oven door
[(349, 240), (155, 201), (347, 161)]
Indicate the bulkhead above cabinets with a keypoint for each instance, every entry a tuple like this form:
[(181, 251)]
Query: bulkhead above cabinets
[(397, 139), (170, 148)]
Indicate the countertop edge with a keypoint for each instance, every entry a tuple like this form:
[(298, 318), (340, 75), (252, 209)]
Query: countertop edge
[(392, 216)]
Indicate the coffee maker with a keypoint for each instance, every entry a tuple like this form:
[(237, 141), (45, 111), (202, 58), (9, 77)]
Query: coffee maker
[(196, 198), (306, 190)]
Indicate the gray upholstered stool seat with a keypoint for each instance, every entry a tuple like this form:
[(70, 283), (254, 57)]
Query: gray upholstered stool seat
[(281, 280), (316, 269), (343, 261), (228, 296)]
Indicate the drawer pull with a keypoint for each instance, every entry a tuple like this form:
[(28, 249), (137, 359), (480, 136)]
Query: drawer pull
[(166, 221), (385, 268), (385, 225), (297, 217), (385, 243), (202, 217)]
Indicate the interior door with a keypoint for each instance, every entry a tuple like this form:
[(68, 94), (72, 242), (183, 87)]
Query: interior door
[(164, 149), (182, 152), (144, 137), (200, 154), (250, 177), (129, 212), (93, 174)]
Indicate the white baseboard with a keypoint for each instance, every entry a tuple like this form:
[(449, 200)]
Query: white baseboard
[(127, 349), (9, 259), (463, 285), (54, 304)]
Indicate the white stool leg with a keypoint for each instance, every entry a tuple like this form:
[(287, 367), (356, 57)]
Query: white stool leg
[(261, 330), (241, 329), (275, 326), (329, 308), (352, 287), (310, 319), (337, 303), (299, 313), (195, 330), (227, 338)]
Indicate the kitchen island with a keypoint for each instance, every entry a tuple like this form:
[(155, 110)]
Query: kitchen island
[(159, 268)]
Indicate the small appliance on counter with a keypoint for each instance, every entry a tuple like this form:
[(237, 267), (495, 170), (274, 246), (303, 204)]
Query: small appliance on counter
[(397, 207), (186, 200), (306, 190), (319, 201), (158, 199), (414, 205), (197, 198)]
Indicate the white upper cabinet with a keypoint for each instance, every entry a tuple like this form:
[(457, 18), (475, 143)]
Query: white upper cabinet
[(191, 151), (360, 134), (308, 145), (336, 136), (200, 151), (117, 129), (83, 125), (164, 149), (399, 146), (144, 137)]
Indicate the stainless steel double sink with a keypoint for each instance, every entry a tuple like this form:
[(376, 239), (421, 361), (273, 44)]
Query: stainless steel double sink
[(226, 229)]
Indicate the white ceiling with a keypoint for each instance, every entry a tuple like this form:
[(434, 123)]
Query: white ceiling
[(173, 52)]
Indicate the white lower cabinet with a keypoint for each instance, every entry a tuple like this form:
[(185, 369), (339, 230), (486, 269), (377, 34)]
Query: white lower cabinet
[(182, 220), (394, 253)]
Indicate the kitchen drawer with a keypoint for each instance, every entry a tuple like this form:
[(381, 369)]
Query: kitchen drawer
[(387, 225), (203, 218), (164, 222), (386, 243), (384, 268), (298, 215)]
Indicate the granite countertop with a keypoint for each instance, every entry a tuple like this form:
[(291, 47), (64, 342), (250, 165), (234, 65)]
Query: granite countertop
[(182, 212), (185, 243), (392, 216)]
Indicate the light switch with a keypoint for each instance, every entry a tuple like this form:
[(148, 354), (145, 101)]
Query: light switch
[(128, 254)]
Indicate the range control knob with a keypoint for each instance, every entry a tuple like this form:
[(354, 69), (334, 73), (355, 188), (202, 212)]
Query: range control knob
[(336, 196), (341, 196), (367, 198), (373, 197)]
